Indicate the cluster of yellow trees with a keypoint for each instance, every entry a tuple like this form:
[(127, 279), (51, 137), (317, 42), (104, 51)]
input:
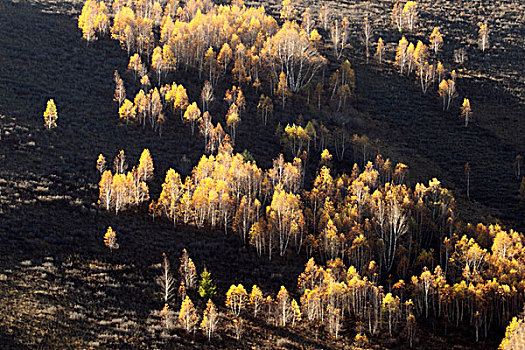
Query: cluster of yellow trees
[(119, 190), (480, 287), (214, 39)]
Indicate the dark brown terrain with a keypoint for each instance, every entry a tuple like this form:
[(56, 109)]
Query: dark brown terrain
[(61, 288)]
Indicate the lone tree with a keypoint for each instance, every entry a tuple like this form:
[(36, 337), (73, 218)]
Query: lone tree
[(483, 37), (466, 111), (110, 239), (50, 115), (207, 288), (467, 174)]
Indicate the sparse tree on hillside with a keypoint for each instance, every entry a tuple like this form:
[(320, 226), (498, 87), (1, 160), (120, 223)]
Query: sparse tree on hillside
[(188, 316), (166, 280), (283, 91), (447, 90), (110, 239), (483, 36), (410, 14), (436, 40), (368, 32), (120, 92), (210, 319), (101, 164), (50, 115), (466, 111), (187, 270), (380, 51), (207, 95)]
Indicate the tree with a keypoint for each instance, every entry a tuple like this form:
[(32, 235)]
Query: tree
[(207, 95), (290, 51), (380, 51), (391, 306), (187, 270), (368, 32), (50, 115), (396, 16), (296, 312), (110, 239), (105, 187), (288, 10), (101, 164), (181, 100), (233, 119), (166, 280), (282, 88), (410, 14), (466, 111), (265, 108), (157, 62), (135, 65), (436, 40), (236, 298), (210, 319), (447, 90), (256, 300), (283, 306), (339, 36), (207, 288), (145, 167), (127, 111), (192, 114), (120, 92), (483, 40), (188, 316), (401, 54)]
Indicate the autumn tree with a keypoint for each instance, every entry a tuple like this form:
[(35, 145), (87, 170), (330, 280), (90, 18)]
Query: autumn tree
[(396, 16), (180, 101), (233, 119), (447, 91), (288, 10), (410, 14), (188, 315), (401, 54), (187, 270), (283, 91), (265, 108), (157, 62), (284, 311), (339, 36), (483, 33), (105, 187), (50, 115), (466, 111), (120, 92), (256, 300), (127, 111), (136, 66), (290, 51), (380, 51), (391, 307), (236, 299), (101, 164), (210, 319), (110, 239), (207, 95), (192, 115), (436, 40), (366, 35)]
